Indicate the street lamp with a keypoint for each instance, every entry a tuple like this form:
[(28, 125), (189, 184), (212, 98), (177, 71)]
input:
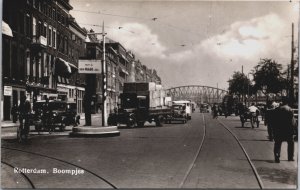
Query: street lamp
[(104, 79)]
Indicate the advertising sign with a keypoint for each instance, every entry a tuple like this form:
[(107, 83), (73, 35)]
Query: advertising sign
[(89, 66), (7, 90)]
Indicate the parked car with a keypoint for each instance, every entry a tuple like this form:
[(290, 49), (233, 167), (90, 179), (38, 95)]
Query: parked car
[(178, 114), (49, 116)]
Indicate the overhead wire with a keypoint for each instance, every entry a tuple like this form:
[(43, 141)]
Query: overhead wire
[(153, 19)]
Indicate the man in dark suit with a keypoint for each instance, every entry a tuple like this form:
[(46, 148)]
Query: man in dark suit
[(284, 127)]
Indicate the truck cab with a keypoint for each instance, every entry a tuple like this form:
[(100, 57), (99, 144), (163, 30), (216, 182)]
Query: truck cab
[(187, 107)]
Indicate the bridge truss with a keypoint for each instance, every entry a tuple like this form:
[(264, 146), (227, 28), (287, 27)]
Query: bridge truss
[(197, 93)]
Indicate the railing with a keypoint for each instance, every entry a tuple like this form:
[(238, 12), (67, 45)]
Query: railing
[(41, 40)]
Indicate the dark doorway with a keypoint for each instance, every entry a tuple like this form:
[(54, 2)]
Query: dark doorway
[(6, 108)]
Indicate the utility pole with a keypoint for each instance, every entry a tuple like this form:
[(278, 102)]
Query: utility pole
[(292, 69), (104, 81)]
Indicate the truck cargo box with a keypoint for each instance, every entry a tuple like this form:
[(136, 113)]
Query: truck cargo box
[(139, 86)]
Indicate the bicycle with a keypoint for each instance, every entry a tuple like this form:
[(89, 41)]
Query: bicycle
[(23, 128)]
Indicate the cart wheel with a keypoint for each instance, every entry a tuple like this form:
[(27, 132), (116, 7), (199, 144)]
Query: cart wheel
[(131, 124), (159, 121)]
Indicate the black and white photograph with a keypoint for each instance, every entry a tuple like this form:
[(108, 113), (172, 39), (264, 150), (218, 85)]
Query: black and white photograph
[(122, 94)]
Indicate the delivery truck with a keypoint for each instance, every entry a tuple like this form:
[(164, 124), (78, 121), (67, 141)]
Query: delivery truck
[(141, 102)]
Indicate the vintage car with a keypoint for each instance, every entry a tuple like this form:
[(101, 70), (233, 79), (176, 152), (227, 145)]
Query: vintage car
[(204, 108), (178, 114), (54, 114)]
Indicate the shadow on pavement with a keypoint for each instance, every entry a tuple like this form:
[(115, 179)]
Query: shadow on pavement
[(285, 176), (254, 140)]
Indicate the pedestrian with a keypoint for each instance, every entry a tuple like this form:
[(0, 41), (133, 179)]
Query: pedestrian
[(14, 113), (215, 111), (24, 112), (284, 129), (269, 121)]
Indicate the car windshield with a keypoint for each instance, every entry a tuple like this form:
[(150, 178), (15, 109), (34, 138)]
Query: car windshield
[(177, 107), (60, 106), (71, 106), (38, 105)]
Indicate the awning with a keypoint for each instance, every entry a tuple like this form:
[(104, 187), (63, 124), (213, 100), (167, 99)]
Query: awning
[(113, 50), (64, 68), (32, 86), (124, 58), (73, 67), (6, 30), (124, 71)]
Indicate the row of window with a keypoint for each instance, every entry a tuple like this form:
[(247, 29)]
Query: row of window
[(49, 11), (72, 93)]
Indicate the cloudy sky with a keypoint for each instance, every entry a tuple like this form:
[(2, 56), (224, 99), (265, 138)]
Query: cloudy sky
[(196, 42)]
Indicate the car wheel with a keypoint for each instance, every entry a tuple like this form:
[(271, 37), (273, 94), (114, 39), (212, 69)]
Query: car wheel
[(37, 128), (62, 127)]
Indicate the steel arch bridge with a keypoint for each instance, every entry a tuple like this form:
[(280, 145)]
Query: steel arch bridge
[(197, 93)]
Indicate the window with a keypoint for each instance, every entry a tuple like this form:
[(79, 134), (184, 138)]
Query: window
[(50, 12), (66, 45), (33, 3), (33, 26), (54, 38), (49, 38), (34, 67), (28, 62), (40, 29), (63, 20), (58, 17), (46, 65), (44, 32), (39, 6), (58, 41), (53, 14), (28, 25)]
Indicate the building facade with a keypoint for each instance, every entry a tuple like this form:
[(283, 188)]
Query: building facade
[(41, 58)]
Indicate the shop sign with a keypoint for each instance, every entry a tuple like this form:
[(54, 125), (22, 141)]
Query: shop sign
[(89, 66), (7, 90)]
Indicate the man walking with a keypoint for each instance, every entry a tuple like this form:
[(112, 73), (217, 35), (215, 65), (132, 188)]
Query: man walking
[(283, 128)]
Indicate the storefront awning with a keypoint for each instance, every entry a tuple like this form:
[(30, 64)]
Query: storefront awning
[(40, 88), (6, 30), (64, 68)]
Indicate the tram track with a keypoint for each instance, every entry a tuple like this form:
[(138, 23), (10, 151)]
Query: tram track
[(59, 160), (257, 177), (260, 183), (196, 156), (22, 174)]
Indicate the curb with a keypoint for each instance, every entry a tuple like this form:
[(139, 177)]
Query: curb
[(94, 131)]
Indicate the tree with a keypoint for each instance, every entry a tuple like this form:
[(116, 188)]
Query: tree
[(268, 77), (239, 84)]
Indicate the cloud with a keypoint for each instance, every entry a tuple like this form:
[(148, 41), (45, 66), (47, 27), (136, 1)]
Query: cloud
[(250, 40), (211, 61), (138, 38)]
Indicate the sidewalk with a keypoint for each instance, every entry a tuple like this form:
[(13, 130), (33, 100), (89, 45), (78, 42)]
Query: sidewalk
[(96, 120), (5, 124)]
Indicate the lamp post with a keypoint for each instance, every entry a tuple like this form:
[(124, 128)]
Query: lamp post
[(104, 81)]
